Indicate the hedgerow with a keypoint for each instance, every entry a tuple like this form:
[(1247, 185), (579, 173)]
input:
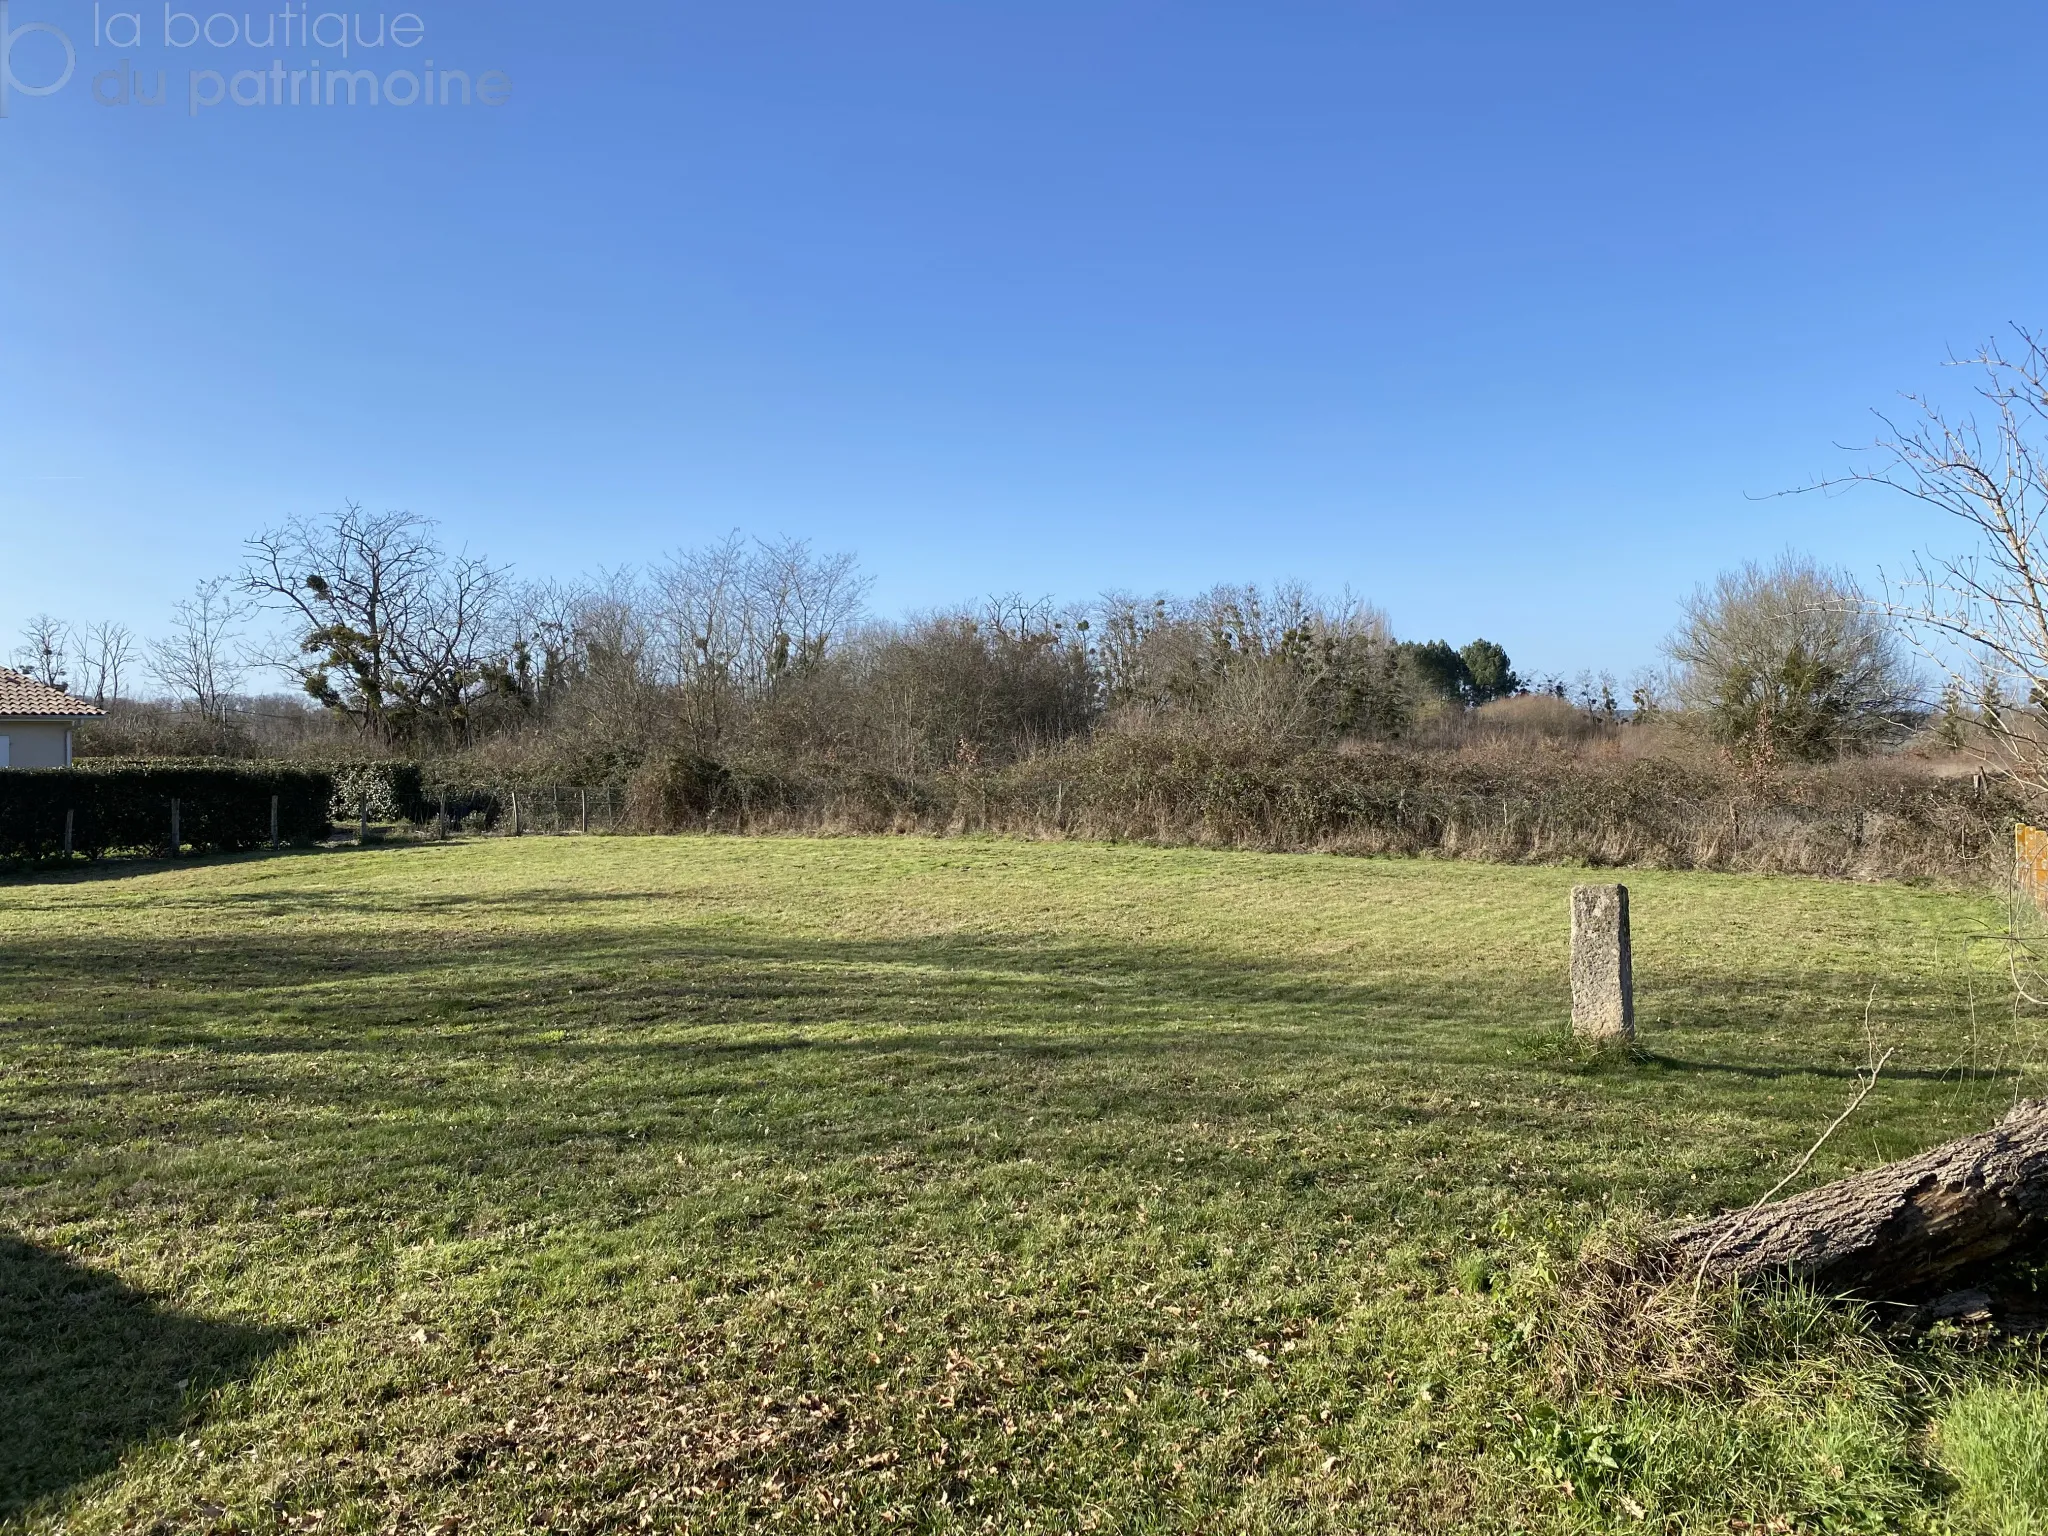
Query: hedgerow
[(126, 807), (1861, 820)]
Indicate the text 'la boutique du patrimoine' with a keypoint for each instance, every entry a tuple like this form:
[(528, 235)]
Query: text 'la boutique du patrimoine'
[(351, 41)]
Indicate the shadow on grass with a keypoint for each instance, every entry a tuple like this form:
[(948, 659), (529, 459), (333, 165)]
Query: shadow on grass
[(441, 1051), (90, 1367), (653, 997), (661, 992), (1766, 1073), (118, 867)]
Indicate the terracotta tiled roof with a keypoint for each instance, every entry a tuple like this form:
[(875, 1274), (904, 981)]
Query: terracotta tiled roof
[(24, 696)]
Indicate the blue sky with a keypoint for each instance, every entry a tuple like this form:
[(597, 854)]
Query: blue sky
[(1503, 315)]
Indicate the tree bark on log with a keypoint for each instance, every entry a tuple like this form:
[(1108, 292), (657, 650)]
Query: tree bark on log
[(1908, 1230)]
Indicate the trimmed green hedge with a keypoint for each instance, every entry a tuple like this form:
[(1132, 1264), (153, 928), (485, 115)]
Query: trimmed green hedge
[(126, 807)]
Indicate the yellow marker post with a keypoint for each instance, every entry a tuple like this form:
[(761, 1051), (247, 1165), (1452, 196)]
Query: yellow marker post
[(2030, 863)]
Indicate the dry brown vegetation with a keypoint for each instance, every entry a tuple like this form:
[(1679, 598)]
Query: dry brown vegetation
[(1617, 801)]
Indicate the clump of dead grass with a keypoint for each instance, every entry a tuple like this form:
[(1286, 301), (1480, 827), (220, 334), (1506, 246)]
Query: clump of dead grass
[(1622, 1322)]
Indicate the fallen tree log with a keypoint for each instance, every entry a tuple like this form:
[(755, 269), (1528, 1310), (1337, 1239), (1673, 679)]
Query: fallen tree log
[(1906, 1231)]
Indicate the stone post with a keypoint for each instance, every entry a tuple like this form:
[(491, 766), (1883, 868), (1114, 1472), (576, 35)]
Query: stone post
[(1603, 986)]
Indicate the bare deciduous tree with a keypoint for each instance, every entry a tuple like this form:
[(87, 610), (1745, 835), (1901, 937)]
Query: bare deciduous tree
[(731, 619), (581, 655), (390, 629), (799, 602), (45, 645), (546, 659), (199, 661), (945, 691), (1276, 664), (106, 653), (1982, 614)]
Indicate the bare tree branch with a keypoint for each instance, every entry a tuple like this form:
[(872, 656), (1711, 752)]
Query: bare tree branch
[(198, 662), (1981, 615), (389, 629), (45, 645), (106, 653)]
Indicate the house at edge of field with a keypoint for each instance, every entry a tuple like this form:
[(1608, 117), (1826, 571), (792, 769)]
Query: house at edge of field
[(36, 722)]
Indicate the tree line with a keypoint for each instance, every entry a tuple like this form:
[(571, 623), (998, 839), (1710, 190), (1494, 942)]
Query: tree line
[(749, 645), (743, 646), (768, 646)]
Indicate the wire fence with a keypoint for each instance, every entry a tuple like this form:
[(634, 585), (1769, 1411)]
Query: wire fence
[(500, 810), (554, 810)]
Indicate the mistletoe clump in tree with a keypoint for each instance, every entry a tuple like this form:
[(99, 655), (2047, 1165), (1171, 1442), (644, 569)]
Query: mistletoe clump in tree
[(389, 628)]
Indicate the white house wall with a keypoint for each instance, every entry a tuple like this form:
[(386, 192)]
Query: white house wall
[(36, 746)]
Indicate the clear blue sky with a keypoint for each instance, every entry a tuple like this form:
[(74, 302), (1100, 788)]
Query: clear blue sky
[(1498, 313)]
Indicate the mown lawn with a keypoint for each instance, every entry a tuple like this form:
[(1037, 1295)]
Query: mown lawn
[(710, 1185)]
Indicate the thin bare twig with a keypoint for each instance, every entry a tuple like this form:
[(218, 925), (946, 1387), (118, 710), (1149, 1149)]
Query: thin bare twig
[(1842, 1119), (1856, 1103)]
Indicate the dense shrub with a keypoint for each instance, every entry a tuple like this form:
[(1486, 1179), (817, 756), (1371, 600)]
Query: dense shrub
[(265, 727), (127, 807), (693, 793), (683, 790), (390, 790), (1788, 663), (1865, 820)]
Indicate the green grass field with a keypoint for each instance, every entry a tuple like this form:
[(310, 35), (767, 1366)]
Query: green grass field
[(710, 1185)]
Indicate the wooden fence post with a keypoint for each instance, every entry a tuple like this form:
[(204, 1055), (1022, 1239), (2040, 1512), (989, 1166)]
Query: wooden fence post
[(517, 830), (273, 823), (441, 820), (584, 795), (363, 819), (177, 840), (68, 815)]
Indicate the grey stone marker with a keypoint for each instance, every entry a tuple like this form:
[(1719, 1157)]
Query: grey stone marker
[(1603, 986)]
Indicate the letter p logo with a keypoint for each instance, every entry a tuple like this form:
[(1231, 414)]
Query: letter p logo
[(8, 38)]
